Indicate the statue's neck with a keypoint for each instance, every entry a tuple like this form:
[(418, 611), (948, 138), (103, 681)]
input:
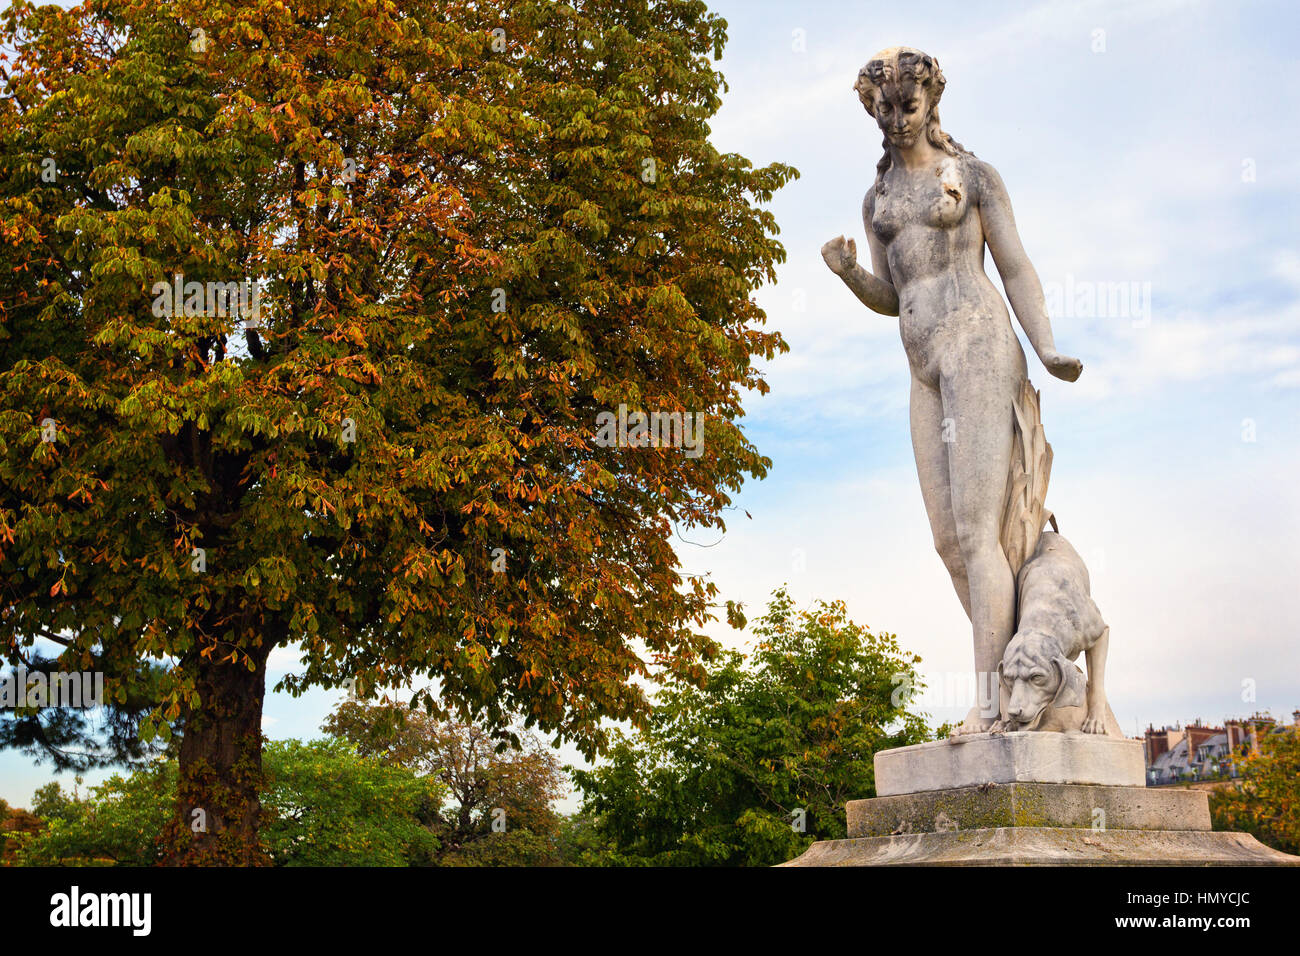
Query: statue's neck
[(920, 155)]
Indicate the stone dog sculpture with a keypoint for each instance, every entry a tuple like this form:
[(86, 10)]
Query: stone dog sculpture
[(980, 454), (1058, 620)]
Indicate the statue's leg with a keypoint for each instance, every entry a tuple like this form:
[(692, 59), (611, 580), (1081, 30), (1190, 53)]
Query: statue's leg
[(1095, 722), (977, 399), (932, 468)]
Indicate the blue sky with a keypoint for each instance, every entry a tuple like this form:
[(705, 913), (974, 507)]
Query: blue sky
[(1161, 152)]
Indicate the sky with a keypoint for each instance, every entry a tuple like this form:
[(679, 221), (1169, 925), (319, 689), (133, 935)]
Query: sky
[(1149, 148)]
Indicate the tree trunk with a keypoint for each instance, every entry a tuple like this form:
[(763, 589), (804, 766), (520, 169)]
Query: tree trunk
[(218, 798)]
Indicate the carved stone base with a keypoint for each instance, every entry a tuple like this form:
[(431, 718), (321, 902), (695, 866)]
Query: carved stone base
[(1022, 756), (1047, 846), (1030, 805), (1030, 798)]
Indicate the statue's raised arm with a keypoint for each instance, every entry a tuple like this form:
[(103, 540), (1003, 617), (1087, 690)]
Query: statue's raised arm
[(875, 293)]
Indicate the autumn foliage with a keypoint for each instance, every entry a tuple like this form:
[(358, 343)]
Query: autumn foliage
[(1265, 800), (473, 226)]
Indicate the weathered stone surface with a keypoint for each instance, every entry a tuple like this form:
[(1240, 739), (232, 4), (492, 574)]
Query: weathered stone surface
[(1022, 756), (1030, 805), (1047, 846)]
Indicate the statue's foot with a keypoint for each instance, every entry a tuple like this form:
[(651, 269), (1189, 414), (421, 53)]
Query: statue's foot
[(1004, 726), (1094, 725), (975, 723)]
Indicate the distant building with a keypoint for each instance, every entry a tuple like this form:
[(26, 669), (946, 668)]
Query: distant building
[(1197, 752)]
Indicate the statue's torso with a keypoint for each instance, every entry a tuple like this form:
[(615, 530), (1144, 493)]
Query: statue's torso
[(928, 221)]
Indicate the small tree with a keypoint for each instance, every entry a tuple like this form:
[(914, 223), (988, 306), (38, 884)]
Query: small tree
[(752, 767), (1266, 801), (51, 803), (328, 805), (499, 793), (118, 823), (15, 825)]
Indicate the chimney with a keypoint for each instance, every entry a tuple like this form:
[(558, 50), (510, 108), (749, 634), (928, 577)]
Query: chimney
[(1197, 734), (1157, 742)]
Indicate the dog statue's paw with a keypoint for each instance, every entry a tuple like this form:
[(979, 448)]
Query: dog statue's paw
[(1004, 726), (1094, 725)]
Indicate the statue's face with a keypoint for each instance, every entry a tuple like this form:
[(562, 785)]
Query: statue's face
[(1030, 677), (901, 109)]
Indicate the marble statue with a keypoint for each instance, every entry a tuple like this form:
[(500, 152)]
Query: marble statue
[(1042, 773), (980, 453)]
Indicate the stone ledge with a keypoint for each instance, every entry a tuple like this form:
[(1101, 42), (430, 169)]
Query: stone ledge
[(1019, 757), (1030, 805), (1047, 846)]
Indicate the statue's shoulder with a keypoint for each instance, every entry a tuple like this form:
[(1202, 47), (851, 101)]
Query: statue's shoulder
[(983, 175), (869, 206)]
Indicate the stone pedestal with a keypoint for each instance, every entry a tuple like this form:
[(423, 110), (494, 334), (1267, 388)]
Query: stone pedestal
[(1030, 798), (1030, 805), (1024, 756)]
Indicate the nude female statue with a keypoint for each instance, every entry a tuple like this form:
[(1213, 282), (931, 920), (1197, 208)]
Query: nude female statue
[(928, 217)]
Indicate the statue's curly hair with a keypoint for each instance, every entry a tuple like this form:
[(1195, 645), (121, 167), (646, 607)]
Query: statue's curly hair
[(905, 62)]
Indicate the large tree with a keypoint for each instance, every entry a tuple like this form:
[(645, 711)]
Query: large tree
[(477, 226)]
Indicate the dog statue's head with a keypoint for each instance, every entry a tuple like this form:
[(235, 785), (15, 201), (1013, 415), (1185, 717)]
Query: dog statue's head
[(1034, 673)]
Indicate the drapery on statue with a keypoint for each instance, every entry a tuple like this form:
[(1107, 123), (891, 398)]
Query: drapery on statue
[(980, 452)]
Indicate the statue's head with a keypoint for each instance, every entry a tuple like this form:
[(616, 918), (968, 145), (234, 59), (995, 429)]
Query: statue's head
[(1034, 673), (901, 87)]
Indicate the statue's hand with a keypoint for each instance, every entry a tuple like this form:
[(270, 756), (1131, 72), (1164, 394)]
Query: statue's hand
[(841, 255), (1062, 366)]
